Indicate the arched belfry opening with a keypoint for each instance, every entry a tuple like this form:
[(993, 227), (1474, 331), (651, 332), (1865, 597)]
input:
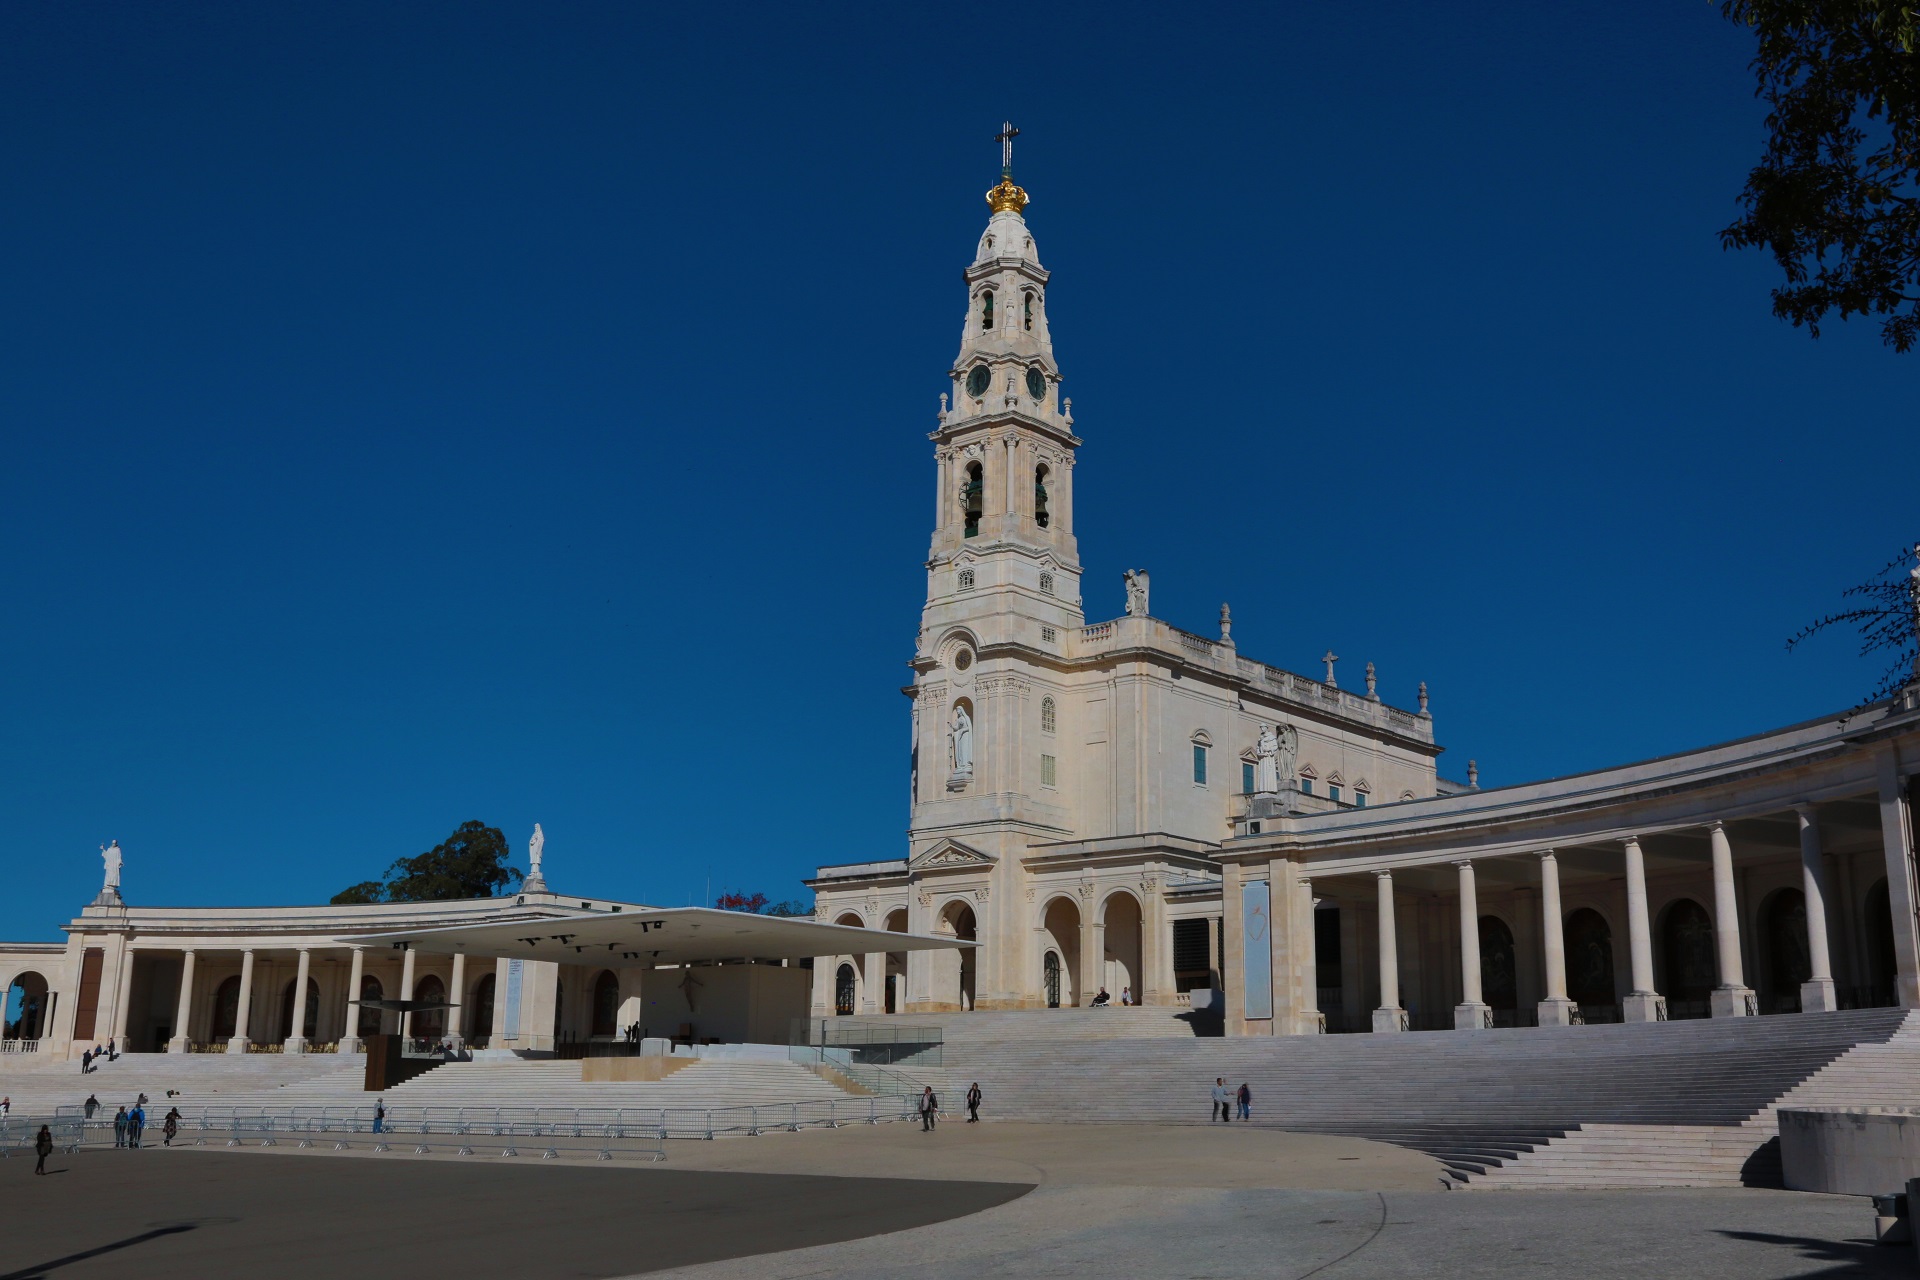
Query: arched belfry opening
[(1041, 515), (1027, 318), (986, 312), (973, 498)]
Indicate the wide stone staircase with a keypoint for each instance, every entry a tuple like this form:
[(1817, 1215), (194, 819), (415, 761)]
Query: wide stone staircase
[(38, 1088), (1480, 1101)]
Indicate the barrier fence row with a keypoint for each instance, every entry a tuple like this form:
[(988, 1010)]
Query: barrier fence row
[(520, 1122)]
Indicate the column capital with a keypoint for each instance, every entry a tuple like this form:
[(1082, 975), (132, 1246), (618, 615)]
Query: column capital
[(1717, 825), (1383, 875), (1632, 841), (1546, 855), (1464, 863), (1806, 811)]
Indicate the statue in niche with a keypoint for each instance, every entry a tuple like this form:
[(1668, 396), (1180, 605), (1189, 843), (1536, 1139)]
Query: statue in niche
[(1136, 580), (960, 741), (111, 856), (1275, 755)]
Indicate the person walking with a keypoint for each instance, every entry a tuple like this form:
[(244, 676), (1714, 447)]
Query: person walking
[(6, 1106), (1222, 1100), (120, 1128), (973, 1103), (171, 1128), (136, 1121), (1245, 1099), (43, 1147), (380, 1115), (86, 1061), (93, 1105), (929, 1109)]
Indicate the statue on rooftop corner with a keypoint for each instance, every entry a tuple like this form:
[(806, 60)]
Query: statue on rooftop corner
[(111, 856), (535, 848), (1136, 580)]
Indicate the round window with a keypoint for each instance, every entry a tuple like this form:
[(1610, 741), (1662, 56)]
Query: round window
[(962, 659), (977, 379)]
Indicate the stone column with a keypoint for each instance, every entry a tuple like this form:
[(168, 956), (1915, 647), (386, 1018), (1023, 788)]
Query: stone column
[(1732, 998), (821, 1005), (183, 1011), (457, 997), (1093, 953), (1471, 1013), (296, 1041), (1643, 1003), (1389, 1016), (238, 1042), (1817, 994), (1308, 1019), (1896, 843), (123, 1000), (1013, 476), (406, 990), (350, 1029), (1556, 1010), (875, 971)]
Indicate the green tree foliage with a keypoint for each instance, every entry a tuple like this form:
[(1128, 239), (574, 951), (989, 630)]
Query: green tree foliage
[(1836, 195), (1886, 614), (470, 863), (760, 905)]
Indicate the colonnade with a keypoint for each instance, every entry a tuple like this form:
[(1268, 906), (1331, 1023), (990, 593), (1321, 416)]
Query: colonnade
[(1730, 997)]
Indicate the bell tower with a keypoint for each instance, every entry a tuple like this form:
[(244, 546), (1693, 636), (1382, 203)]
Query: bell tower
[(1003, 560)]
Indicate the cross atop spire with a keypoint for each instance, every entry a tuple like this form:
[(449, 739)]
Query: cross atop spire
[(1005, 138)]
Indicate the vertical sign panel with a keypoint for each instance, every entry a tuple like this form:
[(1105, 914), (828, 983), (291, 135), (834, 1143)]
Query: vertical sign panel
[(1256, 933), (515, 968)]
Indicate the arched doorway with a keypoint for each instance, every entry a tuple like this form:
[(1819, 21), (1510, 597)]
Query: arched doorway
[(1688, 958), (858, 964), (1883, 966), (1589, 943), (1060, 938), (1499, 985), (26, 1008), (313, 1009), (1120, 970), (896, 975), (606, 1004), (368, 1024), (1050, 978), (954, 973), (480, 1019), (1783, 935), (430, 1024), (226, 1008), (846, 989)]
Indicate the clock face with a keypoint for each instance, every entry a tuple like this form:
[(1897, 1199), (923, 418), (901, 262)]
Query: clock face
[(977, 379), (1036, 384)]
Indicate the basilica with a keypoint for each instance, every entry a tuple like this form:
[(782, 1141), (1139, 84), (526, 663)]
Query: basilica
[(1112, 812), (1126, 811)]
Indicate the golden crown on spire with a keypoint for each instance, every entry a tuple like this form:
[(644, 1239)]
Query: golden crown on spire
[(1007, 198)]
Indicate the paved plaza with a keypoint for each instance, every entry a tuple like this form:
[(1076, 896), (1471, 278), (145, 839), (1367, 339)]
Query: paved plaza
[(1003, 1200)]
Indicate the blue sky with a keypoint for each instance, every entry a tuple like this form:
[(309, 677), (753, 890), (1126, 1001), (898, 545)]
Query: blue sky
[(419, 413)]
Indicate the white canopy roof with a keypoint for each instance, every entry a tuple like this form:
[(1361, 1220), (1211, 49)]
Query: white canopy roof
[(662, 935)]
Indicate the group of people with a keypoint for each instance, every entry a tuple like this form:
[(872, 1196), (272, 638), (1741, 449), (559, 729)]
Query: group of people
[(1102, 1000), (87, 1059), (130, 1123), (1225, 1100), (929, 1106)]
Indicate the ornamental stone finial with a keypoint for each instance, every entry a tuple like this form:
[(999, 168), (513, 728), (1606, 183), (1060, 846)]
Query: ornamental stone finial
[(1372, 684), (1473, 774), (1423, 697), (1226, 624)]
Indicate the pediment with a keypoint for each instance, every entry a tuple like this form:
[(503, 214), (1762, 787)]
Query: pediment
[(949, 853)]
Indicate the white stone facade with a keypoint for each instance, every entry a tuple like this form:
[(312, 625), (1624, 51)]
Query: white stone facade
[(1108, 826)]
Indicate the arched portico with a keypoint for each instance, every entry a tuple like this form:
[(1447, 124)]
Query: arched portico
[(953, 971), (25, 1007), (1122, 973), (1060, 939)]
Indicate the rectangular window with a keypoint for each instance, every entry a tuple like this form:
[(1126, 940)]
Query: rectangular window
[(1049, 635), (1246, 778), (1360, 799), (1046, 771), (1306, 786), (1333, 793), (1200, 766)]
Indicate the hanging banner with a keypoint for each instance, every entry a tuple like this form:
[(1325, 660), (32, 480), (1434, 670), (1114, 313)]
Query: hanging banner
[(511, 1031), (1256, 950)]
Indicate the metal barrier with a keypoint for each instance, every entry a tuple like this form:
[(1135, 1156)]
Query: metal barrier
[(656, 1123), (19, 1133)]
